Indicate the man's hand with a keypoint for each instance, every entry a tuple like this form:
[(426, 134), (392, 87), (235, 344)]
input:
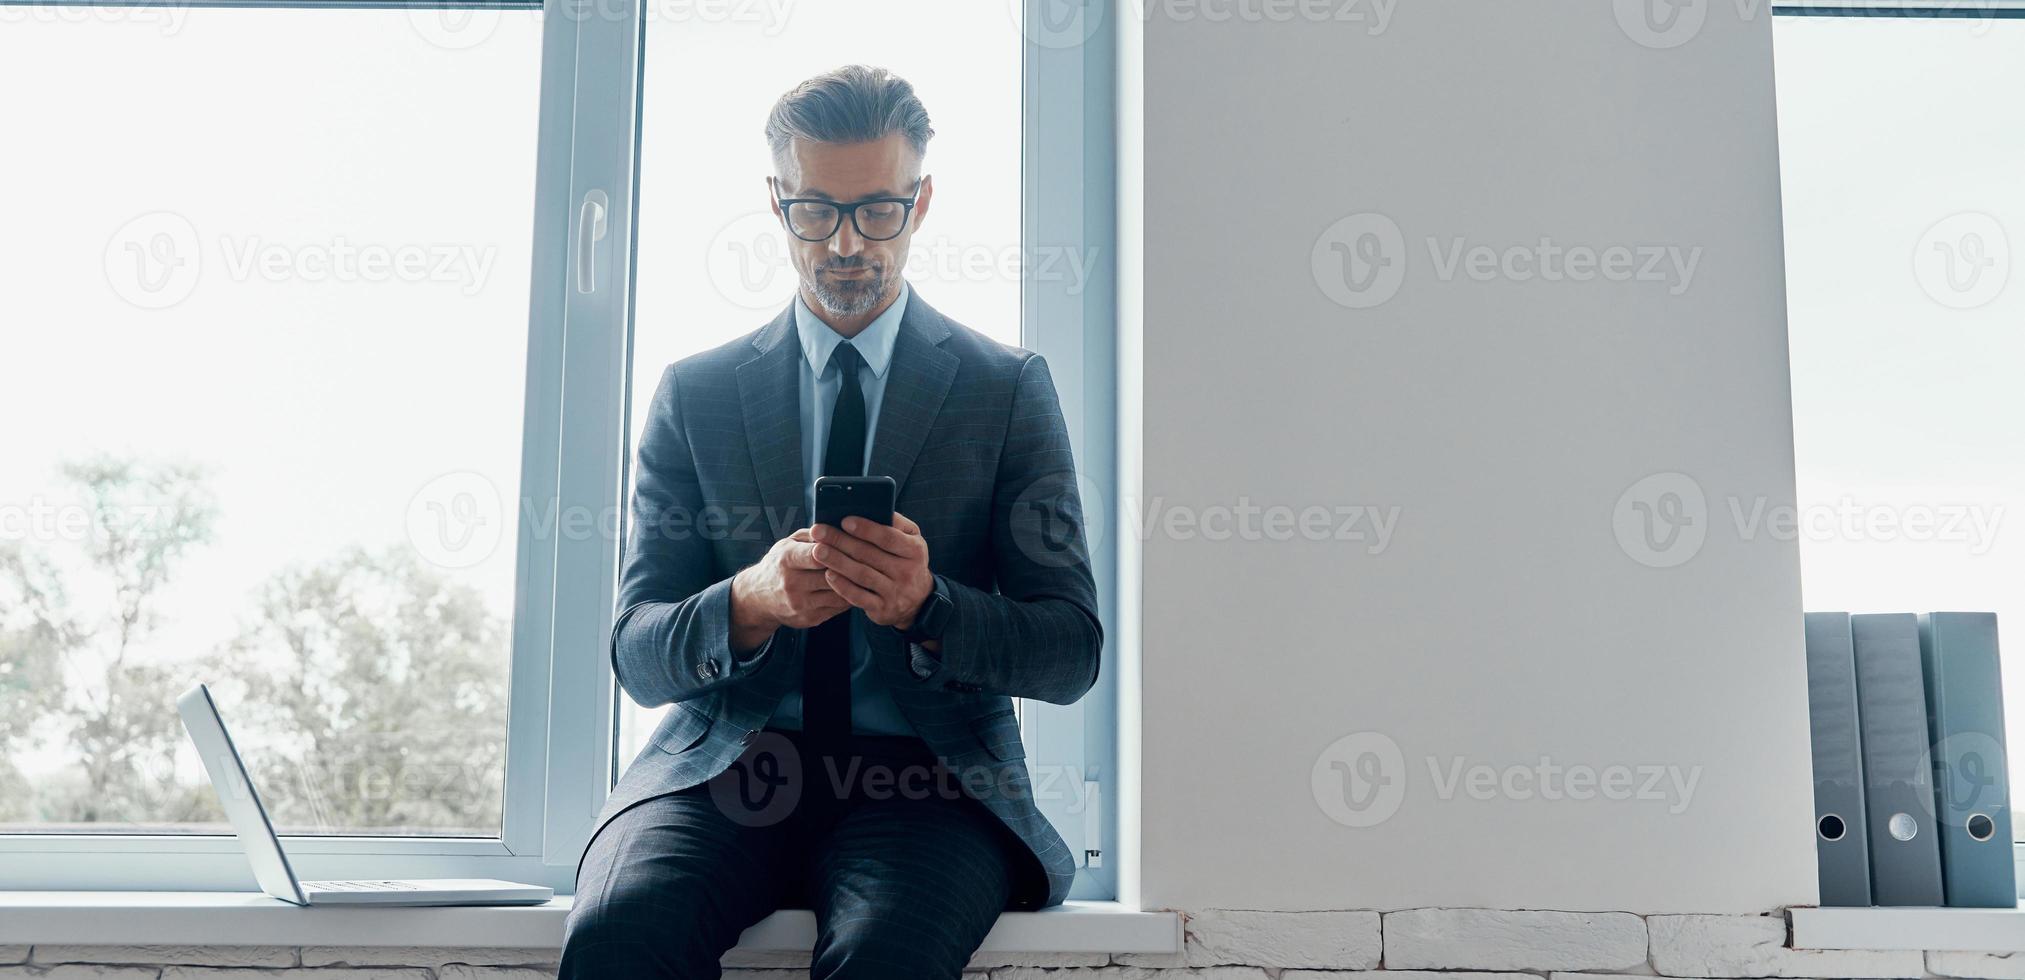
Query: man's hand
[(882, 570), (788, 587)]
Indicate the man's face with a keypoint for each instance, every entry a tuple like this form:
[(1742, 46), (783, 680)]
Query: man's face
[(848, 275)]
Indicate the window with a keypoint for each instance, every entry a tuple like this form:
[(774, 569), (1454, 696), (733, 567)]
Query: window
[(1901, 141), (327, 327), (712, 257), (711, 261), (265, 363)]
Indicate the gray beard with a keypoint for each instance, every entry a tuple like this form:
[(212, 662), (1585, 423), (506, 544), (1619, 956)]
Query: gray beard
[(849, 298)]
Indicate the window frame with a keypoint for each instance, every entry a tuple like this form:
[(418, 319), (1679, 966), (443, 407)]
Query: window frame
[(562, 715), (1067, 176), (1068, 201)]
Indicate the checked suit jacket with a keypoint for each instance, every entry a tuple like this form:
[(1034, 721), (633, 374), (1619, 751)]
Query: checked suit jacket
[(972, 432)]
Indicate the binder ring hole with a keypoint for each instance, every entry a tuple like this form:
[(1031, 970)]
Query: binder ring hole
[(1902, 826), (1832, 828), (1981, 827)]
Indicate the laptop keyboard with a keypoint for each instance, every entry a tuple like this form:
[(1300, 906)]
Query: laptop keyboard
[(360, 886)]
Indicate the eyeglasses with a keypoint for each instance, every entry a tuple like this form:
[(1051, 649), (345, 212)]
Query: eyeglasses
[(877, 219)]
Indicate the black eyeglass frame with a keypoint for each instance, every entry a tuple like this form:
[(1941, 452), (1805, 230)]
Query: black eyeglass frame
[(906, 215)]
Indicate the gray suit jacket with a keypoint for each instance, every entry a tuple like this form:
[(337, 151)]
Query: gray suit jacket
[(972, 431)]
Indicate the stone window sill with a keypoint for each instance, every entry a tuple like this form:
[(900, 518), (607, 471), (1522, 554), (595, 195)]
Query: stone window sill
[(251, 919), (1980, 930)]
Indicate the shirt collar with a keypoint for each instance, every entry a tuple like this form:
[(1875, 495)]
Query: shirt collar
[(874, 343)]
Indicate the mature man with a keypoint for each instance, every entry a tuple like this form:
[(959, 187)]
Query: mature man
[(842, 736)]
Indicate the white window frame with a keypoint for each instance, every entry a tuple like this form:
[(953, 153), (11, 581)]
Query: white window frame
[(562, 712), (1067, 179), (1068, 204)]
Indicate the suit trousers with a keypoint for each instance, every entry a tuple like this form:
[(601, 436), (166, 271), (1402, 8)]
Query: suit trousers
[(904, 872)]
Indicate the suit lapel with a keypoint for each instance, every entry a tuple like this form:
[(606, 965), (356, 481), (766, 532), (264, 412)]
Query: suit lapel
[(918, 381), (769, 394)]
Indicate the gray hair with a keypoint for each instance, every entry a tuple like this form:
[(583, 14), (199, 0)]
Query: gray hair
[(852, 104)]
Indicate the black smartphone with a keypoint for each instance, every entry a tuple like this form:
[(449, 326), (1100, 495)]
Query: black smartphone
[(869, 497)]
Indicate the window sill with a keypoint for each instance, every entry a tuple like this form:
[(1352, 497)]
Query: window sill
[(251, 919), (1978, 930)]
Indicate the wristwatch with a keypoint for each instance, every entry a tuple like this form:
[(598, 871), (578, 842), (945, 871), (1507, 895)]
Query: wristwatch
[(933, 617)]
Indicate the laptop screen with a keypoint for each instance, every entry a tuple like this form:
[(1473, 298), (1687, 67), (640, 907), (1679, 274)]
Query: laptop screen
[(237, 795)]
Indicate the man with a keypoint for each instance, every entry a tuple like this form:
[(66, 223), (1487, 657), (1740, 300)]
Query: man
[(842, 736)]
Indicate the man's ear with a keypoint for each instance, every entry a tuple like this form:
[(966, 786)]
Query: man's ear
[(921, 202), (773, 200)]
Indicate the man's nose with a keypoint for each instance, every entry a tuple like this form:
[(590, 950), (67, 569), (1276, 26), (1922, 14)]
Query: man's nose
[(846, 242)]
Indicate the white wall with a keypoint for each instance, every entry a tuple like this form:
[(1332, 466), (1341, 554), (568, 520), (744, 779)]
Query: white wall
[(1504, 622)]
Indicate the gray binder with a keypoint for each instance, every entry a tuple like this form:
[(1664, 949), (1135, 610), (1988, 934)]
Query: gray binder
[(1891, 709), (1841, 842), (1965, 712)]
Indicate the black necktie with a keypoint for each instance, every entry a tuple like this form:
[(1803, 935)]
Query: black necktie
[(826, 661)]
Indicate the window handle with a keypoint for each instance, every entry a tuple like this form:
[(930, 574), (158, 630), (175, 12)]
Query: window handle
[(590, 231), (1093, 822)]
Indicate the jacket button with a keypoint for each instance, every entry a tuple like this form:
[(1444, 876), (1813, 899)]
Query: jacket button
[(707, 669)]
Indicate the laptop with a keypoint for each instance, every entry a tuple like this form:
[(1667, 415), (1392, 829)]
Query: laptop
[(270, 864)]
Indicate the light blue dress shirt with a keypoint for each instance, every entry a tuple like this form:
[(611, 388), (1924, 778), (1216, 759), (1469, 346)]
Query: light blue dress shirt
[(872, 709)]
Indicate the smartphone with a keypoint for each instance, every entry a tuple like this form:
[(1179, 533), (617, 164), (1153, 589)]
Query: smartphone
[(869, 497)]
